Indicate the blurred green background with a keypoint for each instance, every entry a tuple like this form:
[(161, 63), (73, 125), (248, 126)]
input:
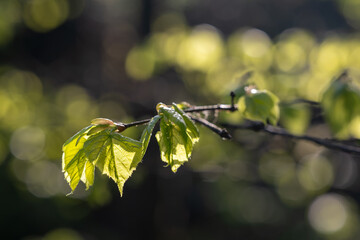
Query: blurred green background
[(65, 62)]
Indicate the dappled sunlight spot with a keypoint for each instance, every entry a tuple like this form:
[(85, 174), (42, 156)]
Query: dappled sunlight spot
[(27, 143), (61, 234), (171, 43), (202, 50), (80, 112), (45, 179), (255, 43), (328, 213), (226, 71), (140, 63), (330, 57), (70, 93), (290, 57), (316, 174), (22, 84), (300, 37), (252, 48), (316, 84), (45, 15), (19, 114), (351, 11)]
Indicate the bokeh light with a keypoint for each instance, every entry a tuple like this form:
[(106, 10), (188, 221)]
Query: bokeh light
[(45, 15), (332, 215)]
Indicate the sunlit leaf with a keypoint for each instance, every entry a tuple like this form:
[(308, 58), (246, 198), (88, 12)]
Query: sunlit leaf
[(176, 137), (79, 134), (145, 137), (115, 155), (341, 102), (260, 106), (192, 130), (73, 158)]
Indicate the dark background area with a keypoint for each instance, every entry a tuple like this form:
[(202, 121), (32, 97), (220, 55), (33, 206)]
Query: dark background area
[(63, 63)]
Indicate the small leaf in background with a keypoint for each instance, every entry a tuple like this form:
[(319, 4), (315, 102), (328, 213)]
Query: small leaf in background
[(176, 137), (259, 106), (295, 118), (341, 104)]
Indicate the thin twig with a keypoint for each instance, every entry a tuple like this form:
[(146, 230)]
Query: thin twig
[(136, 123), (328, 143), (223, 133), (223, 107)]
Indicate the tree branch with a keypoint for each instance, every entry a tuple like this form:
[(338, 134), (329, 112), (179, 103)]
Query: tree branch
[(328, 143), (223, 133)]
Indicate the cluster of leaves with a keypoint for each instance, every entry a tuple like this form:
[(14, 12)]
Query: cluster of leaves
[(101, 145)]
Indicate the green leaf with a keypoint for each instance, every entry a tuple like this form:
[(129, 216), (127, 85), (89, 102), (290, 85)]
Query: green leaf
[(102, 147), (295, 118), (146, 135), (340, 103), (192, 130), (176, 137), (115, 155), (73, 158), (260, 106), (78, 135)]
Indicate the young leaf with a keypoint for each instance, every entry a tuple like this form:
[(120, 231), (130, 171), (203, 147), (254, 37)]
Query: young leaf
[(176, 137), (260, 106), (79, 134), (73, 158), (341, 102), (102, 121), (145, 136), (99, 145), (192, 130), (115, 155)]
